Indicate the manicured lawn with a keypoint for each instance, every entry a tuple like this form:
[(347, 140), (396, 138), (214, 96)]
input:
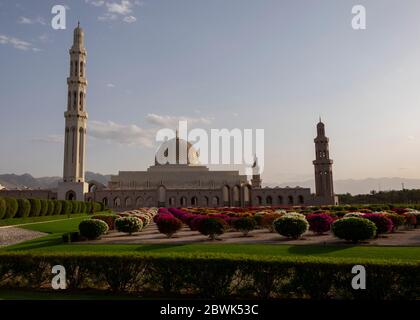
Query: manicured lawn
[(16, 221), (53, 243)]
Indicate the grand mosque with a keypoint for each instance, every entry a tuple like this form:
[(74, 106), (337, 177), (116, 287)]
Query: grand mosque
[(175, 184)]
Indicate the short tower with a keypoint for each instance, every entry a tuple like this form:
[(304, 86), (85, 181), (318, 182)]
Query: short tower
[(74, 186), (323, 168)]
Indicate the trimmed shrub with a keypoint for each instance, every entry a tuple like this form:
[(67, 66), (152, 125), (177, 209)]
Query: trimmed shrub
[(169, 225), (397, 220), (57, 207), (354, 229), (2, 208), (319, 223), (11, 208), (383, 224), (212, 227), (82, 208), (195, 222), (244, 225), (66, 207), (291, 226), (108, 219), (74, 206), (268, 220), (35, 207), (50, 207), (410, 219), (44, 207), (92, 229), (24, 208), (88, 208), (128, 225), (96, 207)]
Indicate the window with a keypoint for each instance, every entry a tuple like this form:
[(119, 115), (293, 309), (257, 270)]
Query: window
[(74, 99), (81, 101)]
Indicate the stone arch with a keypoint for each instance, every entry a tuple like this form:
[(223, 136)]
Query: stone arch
[(105, 201), (301, 199), (226, 195), (258, 200), (139, 202), (206, 201), (117, 202), (70, 195), (279, 200), (194, 201), (128, 202), (236, 195), (215, 201), (269, 200), (172, 202), (183, 202), (290, 200), (247, 194), (162, 196)]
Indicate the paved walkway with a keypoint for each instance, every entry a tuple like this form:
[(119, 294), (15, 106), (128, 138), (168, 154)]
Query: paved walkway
[(13, 235), (152, 236)]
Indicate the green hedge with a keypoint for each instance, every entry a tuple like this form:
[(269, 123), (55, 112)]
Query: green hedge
[(11, 208), (35, 207), (24, 208), (44, 207), (57, 207), (50, 207), (66, 207), (2, 208), (215, 275)]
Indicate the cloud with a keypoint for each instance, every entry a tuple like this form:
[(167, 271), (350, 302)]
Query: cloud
[(172, 121), (17, 43), (52, 138), (130, 19), (110, 85), (123, 8), (108, 17), (26, 20), (116, 10), (122, 134), (95, 3)]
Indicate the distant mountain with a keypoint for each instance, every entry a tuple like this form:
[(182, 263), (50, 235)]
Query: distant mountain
[(362, 186), (24, 181)]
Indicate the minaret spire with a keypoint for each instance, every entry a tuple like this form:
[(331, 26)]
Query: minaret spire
[(323, 168), (73, 186)]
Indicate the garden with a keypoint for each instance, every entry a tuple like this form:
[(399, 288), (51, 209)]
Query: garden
[(240, 253), (329, 225)]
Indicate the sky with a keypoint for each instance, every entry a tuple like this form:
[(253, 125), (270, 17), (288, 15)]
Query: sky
[(269, 64)]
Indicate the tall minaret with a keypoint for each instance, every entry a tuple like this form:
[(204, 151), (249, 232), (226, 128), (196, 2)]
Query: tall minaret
[(323, 168), (73, 186), (256, 174)]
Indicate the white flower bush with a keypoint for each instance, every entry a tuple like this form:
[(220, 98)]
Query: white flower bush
[(354, 215), (295, 215)]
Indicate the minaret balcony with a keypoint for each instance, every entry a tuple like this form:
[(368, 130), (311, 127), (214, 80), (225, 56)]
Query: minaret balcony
[(79, 80)]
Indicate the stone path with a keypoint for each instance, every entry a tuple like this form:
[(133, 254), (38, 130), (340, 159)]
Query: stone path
[(152, 236), (14, 235)]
